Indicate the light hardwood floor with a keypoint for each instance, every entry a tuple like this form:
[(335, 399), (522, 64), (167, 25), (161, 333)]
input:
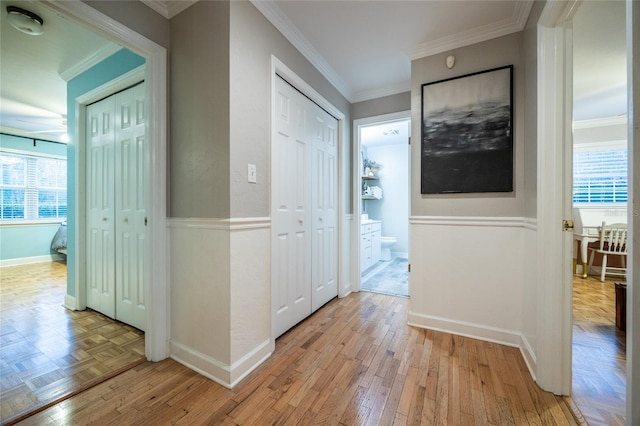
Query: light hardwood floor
[(47, 351), (355, 361), (599, 353)]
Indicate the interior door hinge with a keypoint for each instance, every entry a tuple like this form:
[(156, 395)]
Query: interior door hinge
[(567, 225), (409, 267), (145, 221), (409, 140)]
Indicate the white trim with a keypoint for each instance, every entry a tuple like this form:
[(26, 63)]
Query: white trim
[(45, 258), (554, 258), (218, 371), (600, 146), (231, 224), (168, 9), (127, 79), (531, 223), (600, 122), (279, 20), (515, 23), (380, 92), (70, 302), (94, 59), (513, 222), (156, 336), (356, 192), (529, 356), (466, 329)]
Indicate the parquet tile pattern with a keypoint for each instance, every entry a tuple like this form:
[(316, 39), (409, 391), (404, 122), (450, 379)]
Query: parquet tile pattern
[(354, 362), (599, 353), (47, 351)]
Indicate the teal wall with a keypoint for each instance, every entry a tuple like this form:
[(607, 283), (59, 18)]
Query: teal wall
[(116, 65), (19, 241)]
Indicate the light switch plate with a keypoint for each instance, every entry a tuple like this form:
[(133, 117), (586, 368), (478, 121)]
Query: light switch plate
[(251, 173)]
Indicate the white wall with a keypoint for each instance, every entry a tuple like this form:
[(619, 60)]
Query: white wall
[(393, 209)]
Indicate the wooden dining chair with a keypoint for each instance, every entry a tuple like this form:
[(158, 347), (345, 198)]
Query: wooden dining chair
[(612, 242)]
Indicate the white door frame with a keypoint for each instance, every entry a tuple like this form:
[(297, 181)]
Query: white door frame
[(554, 133), (277, 66), (554, 247), (356, 192), (156, 285)]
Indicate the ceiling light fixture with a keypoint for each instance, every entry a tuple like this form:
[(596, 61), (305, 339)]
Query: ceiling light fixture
[(24, 20)]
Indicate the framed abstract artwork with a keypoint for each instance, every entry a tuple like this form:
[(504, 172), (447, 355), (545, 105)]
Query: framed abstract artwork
[(467, 133)]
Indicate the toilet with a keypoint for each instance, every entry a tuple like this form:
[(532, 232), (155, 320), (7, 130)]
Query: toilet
[(385, 246)]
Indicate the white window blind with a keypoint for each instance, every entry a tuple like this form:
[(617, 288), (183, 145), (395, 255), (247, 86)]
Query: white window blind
[(33, 187), (600, 176)]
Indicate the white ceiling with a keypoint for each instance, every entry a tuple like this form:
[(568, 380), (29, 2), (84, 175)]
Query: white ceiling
[(364, 48)]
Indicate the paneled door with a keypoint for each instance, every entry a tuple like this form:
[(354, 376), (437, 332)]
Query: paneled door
[(116, 206), (324, 238), (303, 197)]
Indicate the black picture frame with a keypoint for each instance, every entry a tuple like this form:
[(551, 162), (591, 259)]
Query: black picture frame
[(467, 133)]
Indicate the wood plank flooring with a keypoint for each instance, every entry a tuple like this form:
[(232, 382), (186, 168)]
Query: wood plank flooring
[(599, 353), (48, 351), (354, 362)]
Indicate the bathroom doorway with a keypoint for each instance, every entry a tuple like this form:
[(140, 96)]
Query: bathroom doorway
[(383, 203)]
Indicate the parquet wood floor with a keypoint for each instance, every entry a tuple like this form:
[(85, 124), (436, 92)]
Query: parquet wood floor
[(599, 353), (48, 351), (354, 362)]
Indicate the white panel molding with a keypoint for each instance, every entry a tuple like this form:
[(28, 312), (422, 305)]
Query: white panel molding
[(231, 224), (531, 223), (93, 59), (283, 24), (466, 329), (30, 260), (513, 222), (515, 23)]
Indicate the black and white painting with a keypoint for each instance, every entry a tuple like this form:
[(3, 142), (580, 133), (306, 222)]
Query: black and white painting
[(467, 133)]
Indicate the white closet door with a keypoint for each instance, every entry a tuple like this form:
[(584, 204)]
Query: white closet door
[(130, 213), (100, 207), (324, 271), (291, 213)]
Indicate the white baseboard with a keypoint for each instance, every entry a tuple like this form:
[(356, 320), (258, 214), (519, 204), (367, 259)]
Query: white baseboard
[(529, 356), (30, 260), (460, 328), (219, 372), (70, 302)]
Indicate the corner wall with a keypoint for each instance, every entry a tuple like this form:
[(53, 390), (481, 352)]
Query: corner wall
[(467, 251)]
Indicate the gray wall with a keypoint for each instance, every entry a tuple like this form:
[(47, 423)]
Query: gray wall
[(137, 16), (380, 106), (253, 40), (199, 144), (495, 53)]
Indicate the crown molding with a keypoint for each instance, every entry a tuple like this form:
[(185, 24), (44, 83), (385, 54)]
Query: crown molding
[(94, 59), (168, 8), (279, 20), (381, 92), (514, 24)]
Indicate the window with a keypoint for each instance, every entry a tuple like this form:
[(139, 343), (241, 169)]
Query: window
[(33, 187), (600, 175)]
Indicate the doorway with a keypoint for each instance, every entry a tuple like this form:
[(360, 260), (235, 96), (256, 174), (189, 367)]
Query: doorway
[(156, 334), (599, 195), (382, 197)]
